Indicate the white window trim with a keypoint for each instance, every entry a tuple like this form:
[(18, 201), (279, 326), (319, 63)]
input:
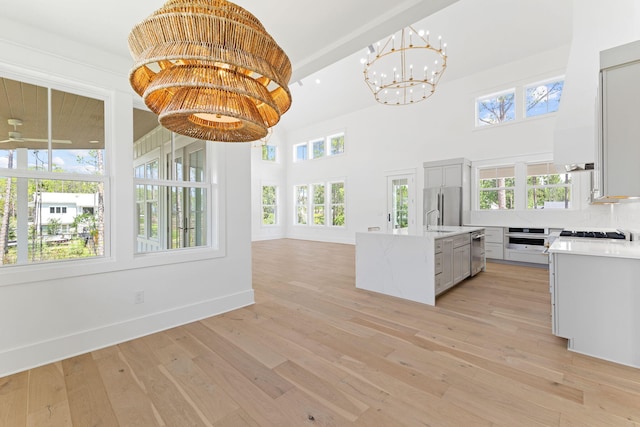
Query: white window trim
[(327, 147), (277, 205), (478, 99), (537, 83), (330, 204), (327, 204), (520, 194), (277, 153)]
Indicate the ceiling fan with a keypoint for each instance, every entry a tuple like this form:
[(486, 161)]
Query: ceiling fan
[(16, 136)]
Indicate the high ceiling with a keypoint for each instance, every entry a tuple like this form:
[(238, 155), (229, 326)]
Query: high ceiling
[(322, 38), (314, 34)]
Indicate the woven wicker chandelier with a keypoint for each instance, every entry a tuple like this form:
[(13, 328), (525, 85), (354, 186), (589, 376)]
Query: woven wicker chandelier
[(210, 71), (406, 68)]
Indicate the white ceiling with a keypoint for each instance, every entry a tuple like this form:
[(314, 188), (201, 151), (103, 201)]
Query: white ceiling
[(313, 33), (323, 38)]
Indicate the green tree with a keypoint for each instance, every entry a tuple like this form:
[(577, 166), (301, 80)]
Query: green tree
[(54, 226), (7, 208)]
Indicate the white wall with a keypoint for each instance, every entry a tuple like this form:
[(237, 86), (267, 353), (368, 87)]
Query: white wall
[(382, 139), (50, 312)]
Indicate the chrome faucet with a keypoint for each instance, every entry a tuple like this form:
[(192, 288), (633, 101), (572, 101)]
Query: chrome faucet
[(427, 217)]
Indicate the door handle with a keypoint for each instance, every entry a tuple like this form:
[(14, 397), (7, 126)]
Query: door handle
[(389, 217)]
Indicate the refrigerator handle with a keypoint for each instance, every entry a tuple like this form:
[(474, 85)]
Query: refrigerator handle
[(440, 208)]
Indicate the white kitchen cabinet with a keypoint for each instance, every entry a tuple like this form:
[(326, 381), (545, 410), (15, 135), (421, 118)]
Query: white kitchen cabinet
[(453, 262), (594, 299), (443, 176), (619, 149), (461, 263), (494, 242)]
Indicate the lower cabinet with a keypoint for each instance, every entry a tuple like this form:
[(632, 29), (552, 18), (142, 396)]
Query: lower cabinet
[(452, 261), (494, 242)]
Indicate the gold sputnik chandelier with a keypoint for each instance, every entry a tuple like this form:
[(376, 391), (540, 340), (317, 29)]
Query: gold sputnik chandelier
[(210, 71), (406, 68)]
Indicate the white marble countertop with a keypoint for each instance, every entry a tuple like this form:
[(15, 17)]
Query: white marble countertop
[(434, 232), (596, 247)]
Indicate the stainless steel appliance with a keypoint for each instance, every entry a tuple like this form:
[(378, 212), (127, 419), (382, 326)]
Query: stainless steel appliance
[(477, 252), (443, 203), (527, 244), (617, 235)]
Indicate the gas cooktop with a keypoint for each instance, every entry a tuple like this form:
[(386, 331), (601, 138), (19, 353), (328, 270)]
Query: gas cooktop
[(593, 234)]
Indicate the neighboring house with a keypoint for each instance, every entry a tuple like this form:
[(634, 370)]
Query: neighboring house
[(64, 207)]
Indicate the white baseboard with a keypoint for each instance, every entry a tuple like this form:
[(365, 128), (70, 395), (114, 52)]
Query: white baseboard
[(62, 347)]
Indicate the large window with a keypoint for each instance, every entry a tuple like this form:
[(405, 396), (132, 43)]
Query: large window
[(547, 189), (269, 205), (326, 204), (337, 204), (318, 204), (497, 188), (301, 197), (172, 191), (53, 181)]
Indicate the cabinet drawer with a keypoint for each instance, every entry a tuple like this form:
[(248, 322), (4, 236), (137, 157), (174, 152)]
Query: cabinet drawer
[(438, 264), (493, 235), (494, 250), (522, 256), (437, 246), (461, 240), (438, 284)]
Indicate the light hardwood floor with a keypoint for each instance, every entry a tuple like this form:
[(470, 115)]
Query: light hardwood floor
[(314, 350)]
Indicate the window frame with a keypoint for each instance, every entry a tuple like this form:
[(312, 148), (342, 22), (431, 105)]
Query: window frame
[(265, 149), (59, 268), (327, 148), (519, 163), (495, 95), (505, 188), (568, 186), (327, 205), (274, 206), (545, 82), (330, 139)]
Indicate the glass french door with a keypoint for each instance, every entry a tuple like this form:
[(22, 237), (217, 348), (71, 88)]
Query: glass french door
[(401, 204), (187, 204)]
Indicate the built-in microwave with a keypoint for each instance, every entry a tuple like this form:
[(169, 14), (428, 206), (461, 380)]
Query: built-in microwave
[(527, 239)]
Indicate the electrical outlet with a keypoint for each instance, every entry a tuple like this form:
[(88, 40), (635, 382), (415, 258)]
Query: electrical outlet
[(138, 297)]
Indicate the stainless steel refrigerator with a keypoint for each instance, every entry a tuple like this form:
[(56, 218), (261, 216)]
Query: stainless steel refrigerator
[(443, 203)]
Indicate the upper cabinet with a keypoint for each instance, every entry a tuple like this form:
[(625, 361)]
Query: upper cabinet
[(619, 145), (446, 173), (451, 173)]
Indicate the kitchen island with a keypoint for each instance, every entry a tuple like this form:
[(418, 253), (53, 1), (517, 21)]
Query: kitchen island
[(415, 267), (595, 295)]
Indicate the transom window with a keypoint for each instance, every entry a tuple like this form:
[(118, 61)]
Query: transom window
[(496, 108), (269, 153), (332, 145), (543, 98)]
